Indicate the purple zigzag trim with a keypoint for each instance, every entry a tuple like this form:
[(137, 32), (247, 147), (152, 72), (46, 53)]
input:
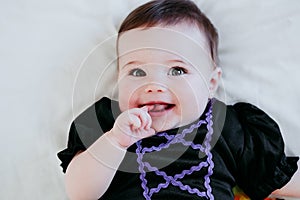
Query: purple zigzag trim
[(174, 139), (179, 138), (180, 176), (141, 169), (208, 153), (184, 142), (173, 180)]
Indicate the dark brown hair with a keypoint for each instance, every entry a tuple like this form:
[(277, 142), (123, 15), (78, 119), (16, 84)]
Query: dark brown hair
[(172, 12)]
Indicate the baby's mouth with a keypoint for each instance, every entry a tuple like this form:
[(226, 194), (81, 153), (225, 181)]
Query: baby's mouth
[(158, 107)]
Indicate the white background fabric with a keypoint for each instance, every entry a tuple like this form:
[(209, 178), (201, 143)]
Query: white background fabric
[(50, 73)]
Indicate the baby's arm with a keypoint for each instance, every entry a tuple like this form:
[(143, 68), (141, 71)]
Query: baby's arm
[(291, 189), (90, 173)]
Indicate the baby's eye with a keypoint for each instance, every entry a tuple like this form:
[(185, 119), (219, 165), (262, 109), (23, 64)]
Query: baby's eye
[(177, 71), (137, 72)]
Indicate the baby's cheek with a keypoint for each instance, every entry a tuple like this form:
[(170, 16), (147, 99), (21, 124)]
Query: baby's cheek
[(123, 97), (193, 100), (128, 94)]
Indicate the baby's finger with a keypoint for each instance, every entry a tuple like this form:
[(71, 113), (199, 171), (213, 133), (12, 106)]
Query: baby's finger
[(145, 108), (148, 121), (145, 118), (143, 133), (150, 107), (135, 121)]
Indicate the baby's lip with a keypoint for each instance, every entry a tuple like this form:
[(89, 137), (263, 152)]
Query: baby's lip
[(154, 103), (157, 106)]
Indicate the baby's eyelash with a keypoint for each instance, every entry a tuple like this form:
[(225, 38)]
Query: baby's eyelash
[(137, 72), (177, 71)]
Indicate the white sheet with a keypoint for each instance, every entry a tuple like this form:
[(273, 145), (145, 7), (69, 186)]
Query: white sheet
[(49, 72)]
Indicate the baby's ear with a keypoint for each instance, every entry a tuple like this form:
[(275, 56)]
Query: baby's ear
[(214, 80)]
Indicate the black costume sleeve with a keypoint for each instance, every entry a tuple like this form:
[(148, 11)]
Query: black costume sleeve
[(262, 165), (74, 146), (88, 127)]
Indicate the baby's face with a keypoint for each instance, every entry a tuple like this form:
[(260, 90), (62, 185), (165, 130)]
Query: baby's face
[(167, 70)]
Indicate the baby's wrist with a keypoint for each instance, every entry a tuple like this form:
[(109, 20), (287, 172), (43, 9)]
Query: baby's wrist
[(110, 136), (98, 150)]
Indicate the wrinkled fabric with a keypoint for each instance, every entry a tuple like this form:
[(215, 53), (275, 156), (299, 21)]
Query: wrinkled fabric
[(247, 150)]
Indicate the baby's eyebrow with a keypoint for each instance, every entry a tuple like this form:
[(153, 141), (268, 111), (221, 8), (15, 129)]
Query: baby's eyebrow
[(134, 62), (178, 61)]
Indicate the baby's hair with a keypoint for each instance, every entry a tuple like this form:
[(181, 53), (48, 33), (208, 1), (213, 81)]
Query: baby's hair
[(172, 12)]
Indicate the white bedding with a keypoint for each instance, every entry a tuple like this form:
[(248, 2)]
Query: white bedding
[(52, 54)]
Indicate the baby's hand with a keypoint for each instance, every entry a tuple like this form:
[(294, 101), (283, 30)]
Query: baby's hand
[(131, 126)]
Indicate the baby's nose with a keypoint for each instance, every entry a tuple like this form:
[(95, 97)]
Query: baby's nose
[(153, 87)]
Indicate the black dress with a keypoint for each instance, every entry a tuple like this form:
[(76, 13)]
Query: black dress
[(244, 147)]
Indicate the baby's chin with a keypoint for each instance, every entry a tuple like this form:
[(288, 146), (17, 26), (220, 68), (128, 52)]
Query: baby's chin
[(164, 125), (161, 126)]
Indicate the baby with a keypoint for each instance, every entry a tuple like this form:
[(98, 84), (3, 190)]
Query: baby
[(171, 139)]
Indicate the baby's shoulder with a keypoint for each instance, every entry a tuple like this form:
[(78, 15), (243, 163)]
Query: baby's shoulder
[(245, 126), (257, 145), (244, 116)]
